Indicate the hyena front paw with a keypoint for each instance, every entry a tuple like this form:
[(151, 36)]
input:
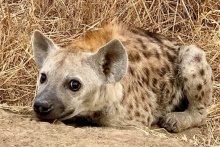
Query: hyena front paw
[(175, 122), (170, 123)]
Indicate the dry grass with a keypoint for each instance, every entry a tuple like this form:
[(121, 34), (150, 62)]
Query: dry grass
[(189, 21)]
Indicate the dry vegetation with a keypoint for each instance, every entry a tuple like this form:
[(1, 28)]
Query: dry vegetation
[(189, 21)]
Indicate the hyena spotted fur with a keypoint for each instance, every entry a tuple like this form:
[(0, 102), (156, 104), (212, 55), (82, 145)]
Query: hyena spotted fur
[(120, 76)]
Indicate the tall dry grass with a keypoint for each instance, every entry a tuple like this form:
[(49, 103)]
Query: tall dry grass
[(188, 21)]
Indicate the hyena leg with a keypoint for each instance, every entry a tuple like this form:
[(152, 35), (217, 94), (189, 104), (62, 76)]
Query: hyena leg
[(196, 77)]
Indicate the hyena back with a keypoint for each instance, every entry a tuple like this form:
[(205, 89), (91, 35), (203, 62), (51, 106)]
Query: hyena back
[(118, 76)]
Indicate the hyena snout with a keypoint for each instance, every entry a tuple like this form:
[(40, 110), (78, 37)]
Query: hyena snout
[(42, 107), (47, 105)]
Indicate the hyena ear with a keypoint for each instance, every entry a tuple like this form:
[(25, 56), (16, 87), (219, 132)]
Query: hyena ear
[(42, 46), (111, 61)]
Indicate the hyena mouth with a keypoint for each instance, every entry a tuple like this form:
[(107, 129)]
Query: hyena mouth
[(66, 116), (54, 116)]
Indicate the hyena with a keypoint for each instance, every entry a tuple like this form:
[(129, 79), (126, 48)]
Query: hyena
[(123, 76)]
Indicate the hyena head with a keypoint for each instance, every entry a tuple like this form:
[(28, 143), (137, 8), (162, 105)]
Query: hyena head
[(72, 82)]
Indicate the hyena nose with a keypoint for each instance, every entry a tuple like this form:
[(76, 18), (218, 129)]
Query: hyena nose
[(42, 107)]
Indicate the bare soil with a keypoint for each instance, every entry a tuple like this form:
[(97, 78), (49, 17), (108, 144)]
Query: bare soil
[(17, 131)]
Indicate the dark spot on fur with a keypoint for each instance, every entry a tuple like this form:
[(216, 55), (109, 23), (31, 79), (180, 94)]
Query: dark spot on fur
[(181, 60), (173, 96), (196, 96), (171, 58), (137, 113), (97, 114), (193, 75), (202, 72), (140, 40), (153, 69), (171, 80), (129, 89), (157, 54), (200, 108), (131, 71), (198, 58), (158, 71), (168, 91), (184, 91), (140, 83), (134, 57), (143, 122), (162, 86), (131, 106), (146, 71), (135, 31), (142, 43), (162, 72), (146, 108), (202, 93), (148, 119), (154, 90), (170, 102), (147, 54), (135, 47), (154, 82), (143, 98), (136, 101), (185, 79), (129, 111), (176, 70), (155, 36), (167, 67), (137, 57), (199, 87), (200, 98)]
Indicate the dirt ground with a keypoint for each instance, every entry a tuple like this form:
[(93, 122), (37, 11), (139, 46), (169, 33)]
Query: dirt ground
[(17, 131)]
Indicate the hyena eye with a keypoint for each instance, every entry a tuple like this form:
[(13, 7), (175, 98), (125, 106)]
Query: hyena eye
[(43, 78), (74, 85)]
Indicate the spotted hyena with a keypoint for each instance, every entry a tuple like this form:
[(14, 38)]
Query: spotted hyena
[(121, 76)]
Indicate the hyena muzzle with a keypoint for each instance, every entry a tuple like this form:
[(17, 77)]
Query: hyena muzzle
[(118, 76)]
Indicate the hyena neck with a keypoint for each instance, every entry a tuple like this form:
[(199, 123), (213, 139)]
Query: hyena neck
[(109, 96)]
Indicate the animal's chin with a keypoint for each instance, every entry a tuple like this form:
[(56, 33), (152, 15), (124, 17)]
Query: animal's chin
[(55, 117)]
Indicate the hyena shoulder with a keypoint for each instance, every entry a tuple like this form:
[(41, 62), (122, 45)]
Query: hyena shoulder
[(152, 64)]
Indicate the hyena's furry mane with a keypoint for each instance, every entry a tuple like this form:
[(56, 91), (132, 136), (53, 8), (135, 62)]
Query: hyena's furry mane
[(91, 41)]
